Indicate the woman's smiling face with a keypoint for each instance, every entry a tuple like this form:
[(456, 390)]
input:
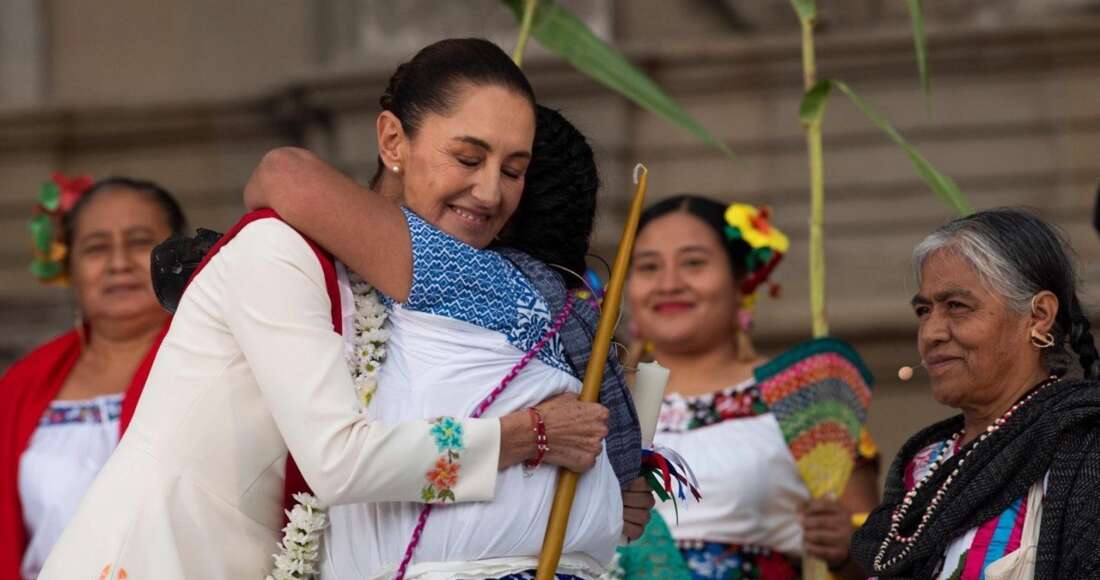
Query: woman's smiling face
[(968, 337), (464, 171), (682, 292)]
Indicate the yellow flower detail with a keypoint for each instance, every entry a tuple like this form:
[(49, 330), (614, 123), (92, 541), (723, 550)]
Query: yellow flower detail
[(867, 447), (755, 229)]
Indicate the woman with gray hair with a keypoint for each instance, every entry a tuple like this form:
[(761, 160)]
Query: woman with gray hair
[(1011, 487)]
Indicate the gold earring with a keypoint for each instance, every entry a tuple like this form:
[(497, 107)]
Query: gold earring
[(1041, 341)]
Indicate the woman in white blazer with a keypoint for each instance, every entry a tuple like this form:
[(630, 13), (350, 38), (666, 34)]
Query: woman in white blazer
[(470, 316), (251, 369)]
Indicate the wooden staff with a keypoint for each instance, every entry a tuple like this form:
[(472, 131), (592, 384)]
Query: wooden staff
[(593, 377)]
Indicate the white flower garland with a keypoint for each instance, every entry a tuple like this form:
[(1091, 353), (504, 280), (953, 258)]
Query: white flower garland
[(369, 343), (300, 549)]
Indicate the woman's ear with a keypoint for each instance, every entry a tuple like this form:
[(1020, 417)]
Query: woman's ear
[(392, 141), (1044, 309)]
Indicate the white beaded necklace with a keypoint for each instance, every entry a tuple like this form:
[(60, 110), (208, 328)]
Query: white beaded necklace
[(899, 513)]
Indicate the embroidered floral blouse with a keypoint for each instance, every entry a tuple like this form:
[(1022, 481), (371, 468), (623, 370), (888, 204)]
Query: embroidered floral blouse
[(72, 442), (481, 287)]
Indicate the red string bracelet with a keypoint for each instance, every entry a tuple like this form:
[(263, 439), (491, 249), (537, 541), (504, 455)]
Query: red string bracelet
[(542, 443)]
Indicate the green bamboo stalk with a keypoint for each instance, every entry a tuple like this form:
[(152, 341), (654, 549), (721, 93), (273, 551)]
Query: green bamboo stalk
[(817, 189), (529, 8)]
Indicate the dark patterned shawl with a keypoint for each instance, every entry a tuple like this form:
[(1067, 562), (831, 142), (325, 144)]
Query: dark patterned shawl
[(1057, 431), (624, 439)]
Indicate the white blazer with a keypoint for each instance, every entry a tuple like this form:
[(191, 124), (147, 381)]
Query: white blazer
[(249, 368)]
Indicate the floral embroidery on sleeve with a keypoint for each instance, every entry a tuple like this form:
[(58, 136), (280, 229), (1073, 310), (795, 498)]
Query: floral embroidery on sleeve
[(443, 477), (106, 573)]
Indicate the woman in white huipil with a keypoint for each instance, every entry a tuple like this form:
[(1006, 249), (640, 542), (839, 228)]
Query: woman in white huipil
[(65, 403), (694, 263)]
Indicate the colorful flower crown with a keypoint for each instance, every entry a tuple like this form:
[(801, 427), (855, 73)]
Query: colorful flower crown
[(766, 247), (55, 199)]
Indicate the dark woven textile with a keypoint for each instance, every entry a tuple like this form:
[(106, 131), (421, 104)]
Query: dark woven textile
[(1059, 431), (624, 439)]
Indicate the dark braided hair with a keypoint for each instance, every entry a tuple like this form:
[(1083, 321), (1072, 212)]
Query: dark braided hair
[(555, 216), (432, 81), (1017, 254), (710, 212), (1081, 341)]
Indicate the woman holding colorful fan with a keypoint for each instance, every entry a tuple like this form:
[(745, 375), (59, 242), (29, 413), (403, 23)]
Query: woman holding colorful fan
[(696, 267), (65, 403), (1008, 489)]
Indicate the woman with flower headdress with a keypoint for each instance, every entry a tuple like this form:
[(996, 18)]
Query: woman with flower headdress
[(66, 402), (696, 269)]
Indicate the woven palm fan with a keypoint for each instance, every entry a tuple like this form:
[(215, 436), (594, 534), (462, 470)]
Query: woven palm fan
[(819, 391)]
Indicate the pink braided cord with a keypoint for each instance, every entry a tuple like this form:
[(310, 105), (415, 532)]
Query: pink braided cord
[(484, 405)]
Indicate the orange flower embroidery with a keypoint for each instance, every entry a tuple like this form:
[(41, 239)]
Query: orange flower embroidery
[(445, 474), (105, 574)]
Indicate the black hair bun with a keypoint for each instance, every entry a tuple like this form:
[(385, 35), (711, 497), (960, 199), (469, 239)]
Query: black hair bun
[(174, 261)]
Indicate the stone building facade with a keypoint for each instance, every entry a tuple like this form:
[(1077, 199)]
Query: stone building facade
[(191, 95)]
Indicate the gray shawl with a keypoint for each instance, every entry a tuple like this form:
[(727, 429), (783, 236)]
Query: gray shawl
[(624, 439)]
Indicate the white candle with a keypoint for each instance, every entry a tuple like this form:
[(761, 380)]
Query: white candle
[(649, 390)]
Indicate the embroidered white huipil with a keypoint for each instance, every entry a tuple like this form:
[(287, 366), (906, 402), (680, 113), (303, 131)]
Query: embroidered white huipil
[(70, 446), (751, 486), (443, 357)]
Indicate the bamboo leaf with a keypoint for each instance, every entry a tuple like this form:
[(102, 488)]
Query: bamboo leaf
[(943, 185), (807, 9), (530, 7), (920, 47), (813, 102), (563, 33)]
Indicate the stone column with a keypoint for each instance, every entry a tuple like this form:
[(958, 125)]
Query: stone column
[(22, 53)]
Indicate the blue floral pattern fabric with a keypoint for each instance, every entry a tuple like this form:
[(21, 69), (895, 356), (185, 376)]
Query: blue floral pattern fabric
[(482, 287)]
